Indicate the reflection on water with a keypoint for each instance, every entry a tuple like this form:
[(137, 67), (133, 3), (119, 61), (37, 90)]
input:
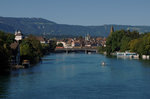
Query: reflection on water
[(4, 86), (145, 63), (79, 76)]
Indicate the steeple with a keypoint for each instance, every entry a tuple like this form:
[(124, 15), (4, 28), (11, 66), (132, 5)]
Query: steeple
[(111, 30)]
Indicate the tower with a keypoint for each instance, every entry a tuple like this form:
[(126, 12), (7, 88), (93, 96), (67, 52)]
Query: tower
[(111, 30), (87, 37), (18, 35)]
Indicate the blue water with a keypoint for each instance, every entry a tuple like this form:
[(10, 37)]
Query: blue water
[(79, 76)]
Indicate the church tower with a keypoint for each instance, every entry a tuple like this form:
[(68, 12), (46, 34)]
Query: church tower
[(18, 35), (111, 30)]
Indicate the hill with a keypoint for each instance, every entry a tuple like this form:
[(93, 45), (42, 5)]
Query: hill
[(40, 26)]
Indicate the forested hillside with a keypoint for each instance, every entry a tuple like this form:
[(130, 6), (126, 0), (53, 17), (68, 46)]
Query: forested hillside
[(39, 26)]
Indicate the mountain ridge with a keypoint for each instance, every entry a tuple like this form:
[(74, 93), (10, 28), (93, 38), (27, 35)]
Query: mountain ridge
[(40, 26)]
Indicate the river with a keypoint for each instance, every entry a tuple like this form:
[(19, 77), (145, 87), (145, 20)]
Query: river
[(79, 76)]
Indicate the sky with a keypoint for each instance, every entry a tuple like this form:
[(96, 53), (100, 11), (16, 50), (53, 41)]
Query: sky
[(80, 12)]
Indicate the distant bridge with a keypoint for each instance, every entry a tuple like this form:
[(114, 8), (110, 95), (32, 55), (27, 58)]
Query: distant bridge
[(68, 50)]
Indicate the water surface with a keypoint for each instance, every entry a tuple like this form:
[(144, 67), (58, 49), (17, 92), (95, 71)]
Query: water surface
[(79, 76)]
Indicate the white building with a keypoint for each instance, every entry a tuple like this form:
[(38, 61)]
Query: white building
[(64, 44), (87, 37), (18, 36)]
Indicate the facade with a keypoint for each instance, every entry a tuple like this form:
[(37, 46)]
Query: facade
[(15, 58), (15, 48), (64, 44), (83, 42), (87, 37), (18, 36), (76, 43), (42, 40)]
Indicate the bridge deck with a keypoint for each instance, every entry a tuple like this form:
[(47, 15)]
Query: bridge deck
[(76, 49)]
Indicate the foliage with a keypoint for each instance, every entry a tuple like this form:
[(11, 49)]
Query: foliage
[(4, 57), (46, 48), (5, 40), (52, 45), (101, 49), (141, 45), (119, 40), (60, 45), (30, 48), (126, 40), (33, 50)]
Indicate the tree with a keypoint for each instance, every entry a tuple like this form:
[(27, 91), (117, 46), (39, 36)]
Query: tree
[(5, 52), (4, 60), (60, 45), (119, 40), (31, 49), (141, 45)]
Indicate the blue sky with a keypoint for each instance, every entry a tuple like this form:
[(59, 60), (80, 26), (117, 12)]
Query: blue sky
[(81, 12)]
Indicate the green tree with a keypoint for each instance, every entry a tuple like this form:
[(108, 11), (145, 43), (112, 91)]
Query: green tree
[(31, 49), (5, 52), (4, 60), (119, 40), (60, 45)]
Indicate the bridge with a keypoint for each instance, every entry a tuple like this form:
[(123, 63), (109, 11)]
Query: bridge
[(68, 50)]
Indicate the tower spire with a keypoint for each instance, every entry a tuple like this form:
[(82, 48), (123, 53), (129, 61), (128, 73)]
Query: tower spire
[(111, 30)]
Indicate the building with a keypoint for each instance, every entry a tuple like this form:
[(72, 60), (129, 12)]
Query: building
[(41, 39), (111, 30), (87, 44), (62, 42), (15, 48), (87, 37), (76, 43), (18, 35), (15, 58)]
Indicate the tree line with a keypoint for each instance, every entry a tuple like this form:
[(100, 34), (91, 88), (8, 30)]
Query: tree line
[(30, 49), (5, 51), (123, 40)]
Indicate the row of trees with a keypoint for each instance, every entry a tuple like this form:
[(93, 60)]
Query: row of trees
[(5, 51), (127, 41), (119, 40), (141, 45), (30, 49), (33, 50)]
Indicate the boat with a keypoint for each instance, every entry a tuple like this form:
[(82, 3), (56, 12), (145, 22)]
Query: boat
[(127, 54)]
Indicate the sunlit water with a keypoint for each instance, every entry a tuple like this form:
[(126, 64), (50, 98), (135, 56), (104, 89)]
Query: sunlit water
[(79, 76)]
